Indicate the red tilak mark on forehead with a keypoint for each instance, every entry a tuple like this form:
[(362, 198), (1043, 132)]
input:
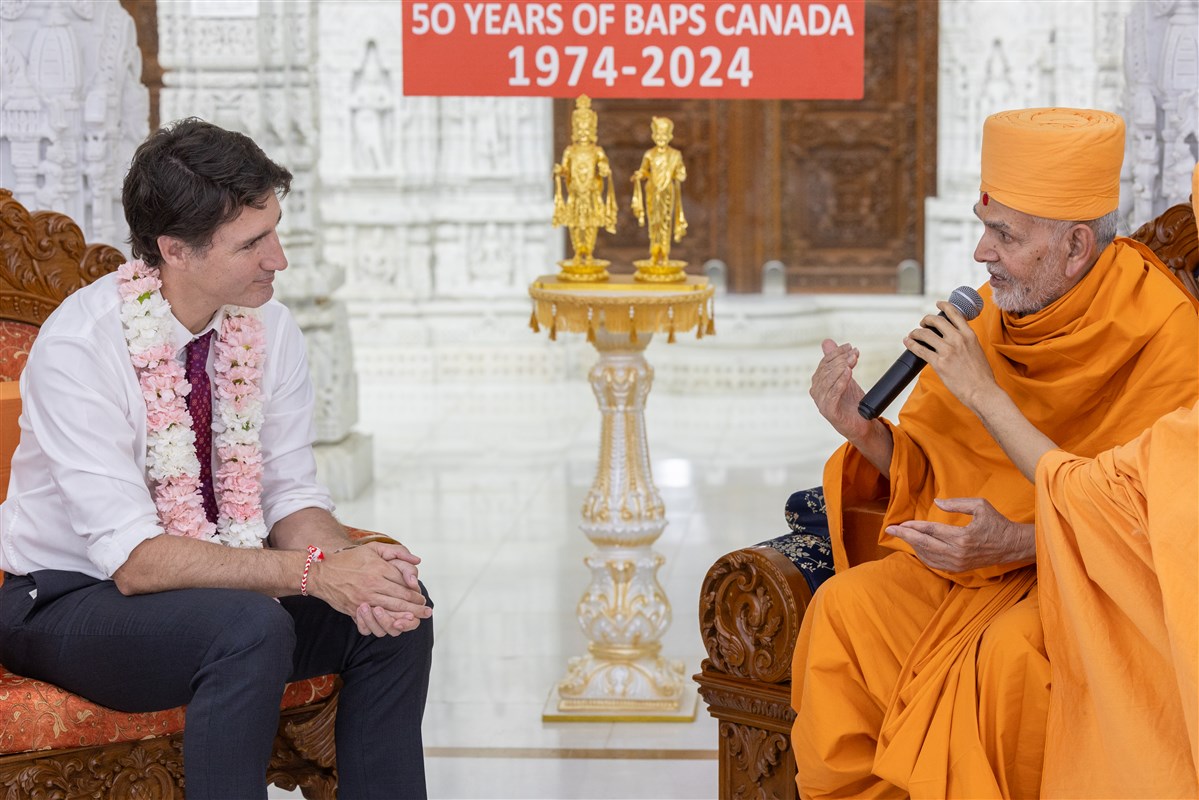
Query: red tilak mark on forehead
[(986, 198)]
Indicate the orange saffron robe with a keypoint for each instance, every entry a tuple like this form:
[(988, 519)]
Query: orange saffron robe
[(1118, 557), (912, 681)]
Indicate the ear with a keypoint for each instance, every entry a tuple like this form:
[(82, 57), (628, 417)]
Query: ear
[(1080, 249), (173, 251)]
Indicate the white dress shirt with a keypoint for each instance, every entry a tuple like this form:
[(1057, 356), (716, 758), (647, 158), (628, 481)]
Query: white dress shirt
[(79, 498)]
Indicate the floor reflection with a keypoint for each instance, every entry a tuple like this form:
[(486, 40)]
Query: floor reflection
[(485, 483)]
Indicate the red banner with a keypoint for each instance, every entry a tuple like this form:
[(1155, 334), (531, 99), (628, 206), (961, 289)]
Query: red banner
[(804, 50)]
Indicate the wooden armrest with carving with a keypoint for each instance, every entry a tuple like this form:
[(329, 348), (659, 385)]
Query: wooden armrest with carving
[(750, 606), (752, 601)]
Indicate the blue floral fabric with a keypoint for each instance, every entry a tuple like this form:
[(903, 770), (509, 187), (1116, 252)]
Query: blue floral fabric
[(808, 544)]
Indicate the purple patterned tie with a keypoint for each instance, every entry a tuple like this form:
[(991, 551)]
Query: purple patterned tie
[(199, 404)]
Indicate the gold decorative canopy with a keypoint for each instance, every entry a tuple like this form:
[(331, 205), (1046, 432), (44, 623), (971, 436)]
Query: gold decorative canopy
[(622, 305)]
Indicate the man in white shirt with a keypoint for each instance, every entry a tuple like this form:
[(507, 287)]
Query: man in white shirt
[(165, 540)]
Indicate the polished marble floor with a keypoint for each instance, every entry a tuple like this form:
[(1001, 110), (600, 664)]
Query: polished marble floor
[(485, 483)]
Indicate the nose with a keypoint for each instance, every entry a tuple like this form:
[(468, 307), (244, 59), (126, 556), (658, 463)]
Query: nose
[(274, 259), (984, 251)]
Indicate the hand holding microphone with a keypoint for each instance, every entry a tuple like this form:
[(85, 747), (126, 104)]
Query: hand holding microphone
[(968, 302)]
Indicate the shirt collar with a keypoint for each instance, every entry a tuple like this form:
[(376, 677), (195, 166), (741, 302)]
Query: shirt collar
[(182, 337)]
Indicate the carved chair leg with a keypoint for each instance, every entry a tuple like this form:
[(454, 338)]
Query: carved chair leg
[(755, 763), (305, 754)]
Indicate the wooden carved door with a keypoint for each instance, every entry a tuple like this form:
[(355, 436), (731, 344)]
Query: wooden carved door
[(833, 189)]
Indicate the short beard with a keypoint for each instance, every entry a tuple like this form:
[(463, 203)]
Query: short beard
[(1046, 286)]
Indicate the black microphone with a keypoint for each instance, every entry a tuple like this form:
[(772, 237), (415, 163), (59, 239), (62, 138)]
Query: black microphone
[(908, 365)]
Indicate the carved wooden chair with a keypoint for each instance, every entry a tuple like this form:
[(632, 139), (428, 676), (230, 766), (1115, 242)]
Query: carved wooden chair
[(752, 601), (54, 744)]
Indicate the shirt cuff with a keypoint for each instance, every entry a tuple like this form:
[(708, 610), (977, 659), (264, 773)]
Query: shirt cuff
[(109, 553), (285, 507)]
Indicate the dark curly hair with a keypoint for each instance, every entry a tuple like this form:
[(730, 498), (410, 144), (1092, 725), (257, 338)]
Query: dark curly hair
[(188, 179)]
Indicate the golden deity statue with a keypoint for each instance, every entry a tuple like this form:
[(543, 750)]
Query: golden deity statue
[(663, 173), (586, 209)]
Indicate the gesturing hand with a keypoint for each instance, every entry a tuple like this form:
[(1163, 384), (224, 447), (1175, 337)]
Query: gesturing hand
[(836, 392), (989, 540)]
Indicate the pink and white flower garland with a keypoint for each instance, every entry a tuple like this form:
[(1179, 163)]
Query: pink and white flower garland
[(170, 439)]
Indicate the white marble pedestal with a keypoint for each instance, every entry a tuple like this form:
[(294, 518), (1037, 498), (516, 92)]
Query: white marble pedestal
[(624, 610)]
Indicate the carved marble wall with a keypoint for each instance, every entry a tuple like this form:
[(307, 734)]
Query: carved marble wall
[(446, 180), (439, 208), (72, 109), (252, 67), (1140, 59), (996, 55), (415, 223)]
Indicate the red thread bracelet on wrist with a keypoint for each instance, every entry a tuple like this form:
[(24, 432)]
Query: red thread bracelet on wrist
[(314, 554)]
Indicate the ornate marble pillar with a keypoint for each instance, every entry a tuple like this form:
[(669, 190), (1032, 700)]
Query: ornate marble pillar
[(72, 109), (1161, 100), (252, 67)]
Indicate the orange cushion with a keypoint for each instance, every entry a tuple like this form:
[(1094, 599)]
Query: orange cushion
[(15, 340), (35, 715), (10, 430)]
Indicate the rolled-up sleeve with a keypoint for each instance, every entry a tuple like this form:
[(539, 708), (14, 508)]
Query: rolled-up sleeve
[(77, 412)]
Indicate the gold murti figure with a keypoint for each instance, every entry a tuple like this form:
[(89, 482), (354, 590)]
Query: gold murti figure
[(587, 207), (663, 173)]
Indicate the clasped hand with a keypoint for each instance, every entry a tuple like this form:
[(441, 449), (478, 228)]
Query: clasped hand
[(988, 540), (376, 584)]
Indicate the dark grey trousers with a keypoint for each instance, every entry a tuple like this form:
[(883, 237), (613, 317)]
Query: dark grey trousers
[(227, 655)]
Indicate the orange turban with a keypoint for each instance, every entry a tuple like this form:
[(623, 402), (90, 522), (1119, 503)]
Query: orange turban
[(1056, 163)]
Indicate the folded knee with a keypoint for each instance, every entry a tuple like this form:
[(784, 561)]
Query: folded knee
[(1014, 636), (248, 621)]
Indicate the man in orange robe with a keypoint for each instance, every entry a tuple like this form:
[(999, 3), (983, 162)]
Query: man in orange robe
[(932, 680), (1117, 556)]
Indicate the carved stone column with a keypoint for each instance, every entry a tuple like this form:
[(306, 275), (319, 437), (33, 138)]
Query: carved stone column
[(72, 109), (1161, 100), (251, 67)]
